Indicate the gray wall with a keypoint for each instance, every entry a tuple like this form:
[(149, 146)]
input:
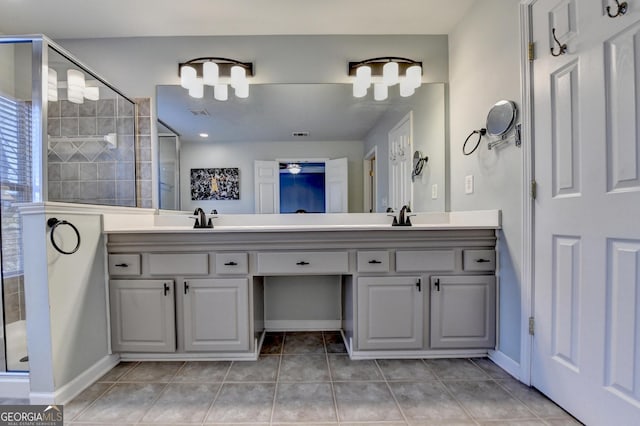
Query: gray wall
[(243, 154), (137, 65), (484, 56), (429, 136)]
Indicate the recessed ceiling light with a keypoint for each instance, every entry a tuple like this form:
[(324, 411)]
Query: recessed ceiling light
[(204, 135)]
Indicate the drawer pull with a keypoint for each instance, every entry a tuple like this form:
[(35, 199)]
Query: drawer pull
[(122, 265), (186, 287), (302, 263), (375, 262), (482, 261), (419, 284), (436, 284), (232, 263), (166, 289)]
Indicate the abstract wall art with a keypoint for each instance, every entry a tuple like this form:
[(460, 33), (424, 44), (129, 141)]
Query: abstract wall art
[(215, 184)]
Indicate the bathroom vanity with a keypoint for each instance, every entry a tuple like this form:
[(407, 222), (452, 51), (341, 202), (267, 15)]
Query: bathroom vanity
[(428, 290)]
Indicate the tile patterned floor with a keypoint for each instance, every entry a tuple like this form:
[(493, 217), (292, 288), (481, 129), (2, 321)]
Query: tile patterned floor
[(307, 378)]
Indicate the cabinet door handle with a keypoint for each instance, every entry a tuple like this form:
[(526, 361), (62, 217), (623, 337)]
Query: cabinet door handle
[(483, 260), (419, 284), (302, 263), (122, 265), (375, 262), (436, 283), (186, 287), (232, 263), (166, 289)]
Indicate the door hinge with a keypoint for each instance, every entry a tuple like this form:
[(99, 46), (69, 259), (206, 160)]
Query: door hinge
[(534, 189), (531, 52), (371, 173), (531, 326)]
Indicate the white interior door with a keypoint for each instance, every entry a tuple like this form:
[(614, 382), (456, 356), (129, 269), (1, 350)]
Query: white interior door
[(336, 175), (266, 186), (400, 162), (586, 347)]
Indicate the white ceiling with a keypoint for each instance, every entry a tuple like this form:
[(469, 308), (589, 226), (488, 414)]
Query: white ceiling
[(65, 19)]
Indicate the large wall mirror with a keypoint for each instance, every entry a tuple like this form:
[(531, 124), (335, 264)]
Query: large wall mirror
[(307, 121)]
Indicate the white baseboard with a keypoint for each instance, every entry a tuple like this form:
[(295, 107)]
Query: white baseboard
[(506, 363), (416, 354), (14, 385), (207, 356), (72, 389), (311, 325)]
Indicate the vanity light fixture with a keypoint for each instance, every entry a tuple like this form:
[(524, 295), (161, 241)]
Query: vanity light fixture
[(383, 73), (219, 73), (204, 135)]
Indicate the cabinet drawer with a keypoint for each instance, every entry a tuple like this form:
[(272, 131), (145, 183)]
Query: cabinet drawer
[(373, 261), (425, 260), (124, 264), (179, 264), (333, 262), (479, 260), (231, 263)]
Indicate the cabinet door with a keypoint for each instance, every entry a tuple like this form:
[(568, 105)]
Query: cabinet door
[(390, 312), (463, 311), (142, 315), (216, 314)]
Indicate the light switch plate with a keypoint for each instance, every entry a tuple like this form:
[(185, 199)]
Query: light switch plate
[(434, 191), (468, 184)]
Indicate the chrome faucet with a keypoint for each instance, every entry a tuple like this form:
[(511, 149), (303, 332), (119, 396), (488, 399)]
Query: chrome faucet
[(201, 219)]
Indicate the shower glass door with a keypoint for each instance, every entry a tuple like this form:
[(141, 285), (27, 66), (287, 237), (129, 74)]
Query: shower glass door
[(16, 112)]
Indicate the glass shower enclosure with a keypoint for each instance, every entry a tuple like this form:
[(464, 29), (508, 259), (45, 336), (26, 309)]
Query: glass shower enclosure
[(66, 135)]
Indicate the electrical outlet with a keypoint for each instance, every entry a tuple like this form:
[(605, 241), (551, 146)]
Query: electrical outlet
[(434, 191), (468, 184)]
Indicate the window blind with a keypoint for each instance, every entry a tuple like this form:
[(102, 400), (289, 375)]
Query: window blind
[(15, 178)]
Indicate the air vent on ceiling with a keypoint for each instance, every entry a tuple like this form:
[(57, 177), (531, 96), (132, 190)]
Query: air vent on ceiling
[(300, 134), (200, 112)]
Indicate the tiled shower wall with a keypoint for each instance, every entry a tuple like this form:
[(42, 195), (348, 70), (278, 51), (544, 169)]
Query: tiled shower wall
[(13, 289), (93, 172)]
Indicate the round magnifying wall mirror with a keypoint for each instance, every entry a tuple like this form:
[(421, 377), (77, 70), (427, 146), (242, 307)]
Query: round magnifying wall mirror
[(501, 118)]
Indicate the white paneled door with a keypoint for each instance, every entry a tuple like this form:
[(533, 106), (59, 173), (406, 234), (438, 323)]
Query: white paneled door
[(586, 347)]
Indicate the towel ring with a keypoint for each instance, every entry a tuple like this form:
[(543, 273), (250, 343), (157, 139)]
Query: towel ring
[(53, 223)]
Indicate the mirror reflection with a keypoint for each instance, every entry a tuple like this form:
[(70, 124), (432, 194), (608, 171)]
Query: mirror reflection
[(282, 122)]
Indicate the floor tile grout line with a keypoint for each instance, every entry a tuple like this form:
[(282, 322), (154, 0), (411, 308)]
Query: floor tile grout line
[(333, 389), (79, 413), (217, 395), (160, 393), (386, 382), (277, 385), (514, 396), (446, 388)]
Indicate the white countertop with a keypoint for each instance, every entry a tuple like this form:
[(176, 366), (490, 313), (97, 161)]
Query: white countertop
[(379, 222)]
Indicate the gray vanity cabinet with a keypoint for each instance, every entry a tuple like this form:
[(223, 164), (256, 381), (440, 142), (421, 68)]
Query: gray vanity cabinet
[(463, 311), (216, 314), (390, 313), (142, 316)]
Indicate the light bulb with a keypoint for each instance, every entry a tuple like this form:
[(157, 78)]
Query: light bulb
[(380, 91), (52, 86), (238, 75), (242, 90), (197, 88), (210, 73), (75, 79), (359, 90), (390, 73), (406, 88), (92, 93), (414, 75), (75, 95), (363, 76), (221, 92), (188, 75)]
